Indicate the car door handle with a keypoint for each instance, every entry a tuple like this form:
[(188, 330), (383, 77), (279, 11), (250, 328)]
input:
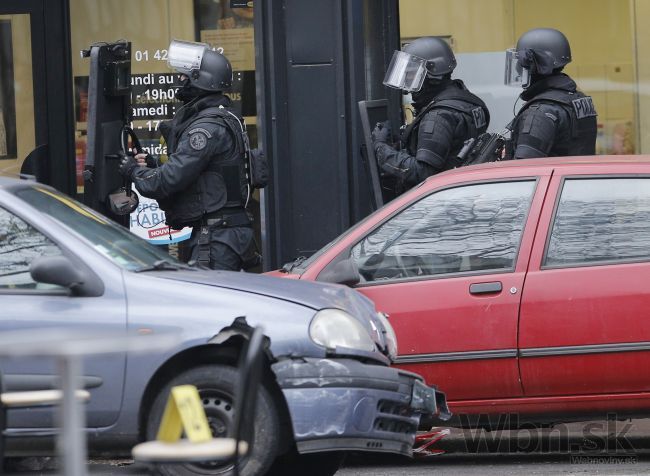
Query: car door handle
[(486, 288)]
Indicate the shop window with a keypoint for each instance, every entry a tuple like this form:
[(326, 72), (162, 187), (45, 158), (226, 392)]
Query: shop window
[(609, 55), (150, 25)]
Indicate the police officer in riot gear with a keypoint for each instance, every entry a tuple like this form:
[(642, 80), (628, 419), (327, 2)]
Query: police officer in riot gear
[(557, 119), (203, 182), (447, 114)]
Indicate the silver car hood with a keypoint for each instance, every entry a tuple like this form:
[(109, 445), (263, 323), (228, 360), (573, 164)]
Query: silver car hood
[(306, 293), (314, 295)]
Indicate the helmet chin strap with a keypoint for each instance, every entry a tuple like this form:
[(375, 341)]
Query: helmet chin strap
[(430, 88), (187, 93), (527, 78)]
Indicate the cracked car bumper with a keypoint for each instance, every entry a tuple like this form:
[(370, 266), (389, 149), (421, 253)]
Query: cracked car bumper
[(344, 404)]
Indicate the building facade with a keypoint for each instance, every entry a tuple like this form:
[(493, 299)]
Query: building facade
[(301, 66)]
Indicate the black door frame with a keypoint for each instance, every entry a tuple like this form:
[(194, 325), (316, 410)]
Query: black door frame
[(52, 77)]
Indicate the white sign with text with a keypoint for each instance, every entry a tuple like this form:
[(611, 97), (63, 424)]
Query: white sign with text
[(148, 222)]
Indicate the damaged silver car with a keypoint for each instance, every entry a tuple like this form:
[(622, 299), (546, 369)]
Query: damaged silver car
[(327, 385)]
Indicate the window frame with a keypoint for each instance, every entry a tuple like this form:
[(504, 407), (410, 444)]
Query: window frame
[(346, 254), (556, 205), (53, 96)]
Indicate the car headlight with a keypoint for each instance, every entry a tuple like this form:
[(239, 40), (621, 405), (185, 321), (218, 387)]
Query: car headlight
[(389, 336), (334, 328)]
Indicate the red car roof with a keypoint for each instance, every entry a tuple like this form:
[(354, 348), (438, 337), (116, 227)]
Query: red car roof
[(556, 162)]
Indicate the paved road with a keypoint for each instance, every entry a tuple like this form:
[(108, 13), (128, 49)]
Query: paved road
[(501, 464), (593, 448), (449, 464)]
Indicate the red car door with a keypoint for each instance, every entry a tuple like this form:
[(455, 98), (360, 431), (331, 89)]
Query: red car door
[(585, 314), (448, 269)]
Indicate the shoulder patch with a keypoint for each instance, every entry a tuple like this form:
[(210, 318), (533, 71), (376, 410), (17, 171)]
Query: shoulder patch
[(551, 116), (201, 129), (584, 107), (428, 126), (479, 117), (198, 139)]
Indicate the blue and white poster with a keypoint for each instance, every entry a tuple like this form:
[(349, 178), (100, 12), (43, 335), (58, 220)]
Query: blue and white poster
[(148, 222)]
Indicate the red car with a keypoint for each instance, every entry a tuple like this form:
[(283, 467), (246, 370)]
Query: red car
[(516, 287)]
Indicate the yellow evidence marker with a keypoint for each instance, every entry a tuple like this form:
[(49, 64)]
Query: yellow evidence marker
[(184, 412)]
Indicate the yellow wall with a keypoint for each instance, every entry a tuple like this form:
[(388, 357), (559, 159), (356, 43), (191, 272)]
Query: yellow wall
[(24, 91), (602, 45), (148, 24), (641, 15), (474, 25), (601, 33)]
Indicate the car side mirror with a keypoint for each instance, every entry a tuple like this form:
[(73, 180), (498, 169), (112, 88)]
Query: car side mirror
[(57, 270), (344, 271)]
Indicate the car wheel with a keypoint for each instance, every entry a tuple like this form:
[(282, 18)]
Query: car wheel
[(216, 384), (313, 464)]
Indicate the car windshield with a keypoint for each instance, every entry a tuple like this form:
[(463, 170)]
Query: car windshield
[(300, 265), (108, 238)]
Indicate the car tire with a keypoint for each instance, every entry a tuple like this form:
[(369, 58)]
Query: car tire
[(313, 464), (216, 384)]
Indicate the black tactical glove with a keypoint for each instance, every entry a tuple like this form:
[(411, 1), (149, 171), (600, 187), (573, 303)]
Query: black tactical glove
[(381, 132), (151, 161), (127, 165)]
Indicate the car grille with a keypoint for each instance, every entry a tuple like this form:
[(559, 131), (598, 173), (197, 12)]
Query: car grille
[(395, 417)]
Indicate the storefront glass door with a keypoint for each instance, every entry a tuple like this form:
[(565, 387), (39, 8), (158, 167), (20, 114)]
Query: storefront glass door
[(17, 126)]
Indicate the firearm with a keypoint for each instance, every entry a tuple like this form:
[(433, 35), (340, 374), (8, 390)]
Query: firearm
[(488, 147), (468, 145)]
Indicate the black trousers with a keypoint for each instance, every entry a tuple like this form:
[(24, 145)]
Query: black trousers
[(228, 246)]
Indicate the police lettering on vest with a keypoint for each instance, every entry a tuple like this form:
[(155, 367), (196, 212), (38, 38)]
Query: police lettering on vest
[(584, 107), (480, 120)]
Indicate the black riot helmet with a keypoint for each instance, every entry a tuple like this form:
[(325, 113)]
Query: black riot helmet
[(426, 57), (206, 69), (540, 51)]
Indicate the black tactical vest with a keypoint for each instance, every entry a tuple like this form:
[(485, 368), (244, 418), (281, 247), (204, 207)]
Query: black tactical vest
[(471, 109), (581, 139), (232, 167), (223, 183)]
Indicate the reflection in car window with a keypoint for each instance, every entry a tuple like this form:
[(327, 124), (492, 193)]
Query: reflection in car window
[(601, 220), (311, 259), (470, 228), (20, 244), (111, 240)]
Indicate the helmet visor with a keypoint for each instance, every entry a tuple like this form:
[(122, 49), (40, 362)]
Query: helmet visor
[(406, 72), (185, 56), (515, 74)]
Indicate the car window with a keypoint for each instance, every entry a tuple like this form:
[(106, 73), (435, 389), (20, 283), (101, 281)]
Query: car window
[(20, 244), (470, 228), (111, 240), (600, 220), (303, 265)]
